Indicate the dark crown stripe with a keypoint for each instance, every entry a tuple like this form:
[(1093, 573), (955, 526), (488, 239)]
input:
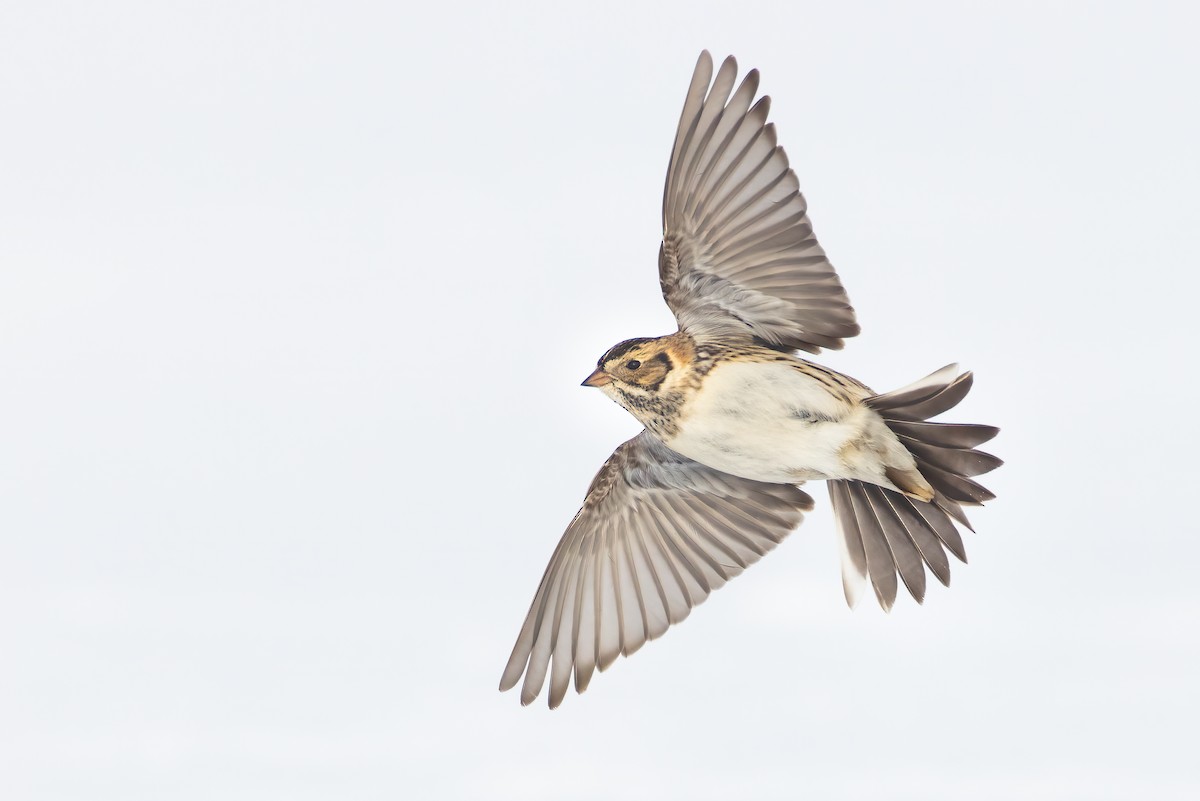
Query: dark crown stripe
[(621, 348)]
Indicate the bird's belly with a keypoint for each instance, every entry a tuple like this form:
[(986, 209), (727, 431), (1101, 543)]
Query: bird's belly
[(770, 422)]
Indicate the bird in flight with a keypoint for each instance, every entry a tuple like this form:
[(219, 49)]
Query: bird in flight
[(735, 421)]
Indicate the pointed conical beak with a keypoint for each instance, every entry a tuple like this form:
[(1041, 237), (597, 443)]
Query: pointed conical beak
[(598, 378)]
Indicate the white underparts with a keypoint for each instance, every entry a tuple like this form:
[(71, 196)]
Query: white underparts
[(768, 421)]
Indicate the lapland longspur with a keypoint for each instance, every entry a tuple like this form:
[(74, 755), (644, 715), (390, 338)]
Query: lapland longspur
[(735, 421)]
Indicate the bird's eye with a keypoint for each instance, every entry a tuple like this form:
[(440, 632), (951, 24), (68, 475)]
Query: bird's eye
[(632, 364)]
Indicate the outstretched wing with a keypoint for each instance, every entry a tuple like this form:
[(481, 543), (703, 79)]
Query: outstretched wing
[(738, 256), (657, 533)]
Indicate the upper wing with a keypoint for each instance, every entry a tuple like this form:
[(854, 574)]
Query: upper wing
[(738, 255), (657, 533)]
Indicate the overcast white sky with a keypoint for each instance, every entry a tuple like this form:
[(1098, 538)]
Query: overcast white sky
[(295, 299)]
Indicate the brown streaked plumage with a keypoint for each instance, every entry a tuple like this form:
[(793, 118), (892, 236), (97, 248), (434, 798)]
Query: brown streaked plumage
[(735, 421)]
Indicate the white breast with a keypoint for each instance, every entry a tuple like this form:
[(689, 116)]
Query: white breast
[(768, 421)]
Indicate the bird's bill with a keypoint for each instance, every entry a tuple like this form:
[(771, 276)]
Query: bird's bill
[(598, 378)]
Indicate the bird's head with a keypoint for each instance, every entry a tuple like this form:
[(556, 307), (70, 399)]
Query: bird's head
[(636, 371)]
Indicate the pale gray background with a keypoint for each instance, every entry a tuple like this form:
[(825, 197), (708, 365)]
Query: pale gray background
[(294, 303)]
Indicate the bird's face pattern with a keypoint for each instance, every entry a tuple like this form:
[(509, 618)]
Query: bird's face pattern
[(647, 376), (638, 364)]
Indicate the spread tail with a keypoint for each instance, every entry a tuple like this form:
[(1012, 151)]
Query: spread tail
[(885, 533)]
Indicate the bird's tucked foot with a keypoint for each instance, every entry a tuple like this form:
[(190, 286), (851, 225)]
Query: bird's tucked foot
[(911, 483)]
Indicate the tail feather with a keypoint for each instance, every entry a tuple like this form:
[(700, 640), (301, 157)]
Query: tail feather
[(924, 537), (955, 510), (887, 534), (917, 391), (903, 546), (854, 556), (954, 460), (955, 487), (945, 397), (961, 436)]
